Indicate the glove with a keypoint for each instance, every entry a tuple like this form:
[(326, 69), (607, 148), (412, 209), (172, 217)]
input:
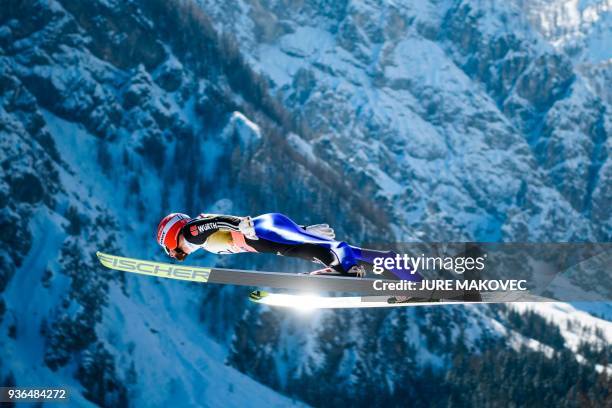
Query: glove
[(323, 230), (247, 228), (358, 270)]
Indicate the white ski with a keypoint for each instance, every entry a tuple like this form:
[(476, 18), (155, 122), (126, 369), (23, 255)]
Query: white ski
[(309, 302)]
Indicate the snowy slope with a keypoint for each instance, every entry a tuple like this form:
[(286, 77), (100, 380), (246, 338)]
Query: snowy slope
[(158, 321)]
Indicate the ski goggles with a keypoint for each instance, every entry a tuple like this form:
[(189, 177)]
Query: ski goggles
[(176, 253), (176, 250)]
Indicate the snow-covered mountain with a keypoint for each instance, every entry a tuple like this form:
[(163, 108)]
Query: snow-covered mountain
[(504, 131), (582, 30), (440, 120)]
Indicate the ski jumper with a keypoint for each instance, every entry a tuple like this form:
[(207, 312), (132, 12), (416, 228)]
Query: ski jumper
[(280, 235)]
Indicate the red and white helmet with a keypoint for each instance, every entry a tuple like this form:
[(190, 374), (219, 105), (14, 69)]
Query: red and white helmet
[(169, 228)]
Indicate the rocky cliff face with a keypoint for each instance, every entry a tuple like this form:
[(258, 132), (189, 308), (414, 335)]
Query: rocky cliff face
[(501, 105), (439, 121)]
